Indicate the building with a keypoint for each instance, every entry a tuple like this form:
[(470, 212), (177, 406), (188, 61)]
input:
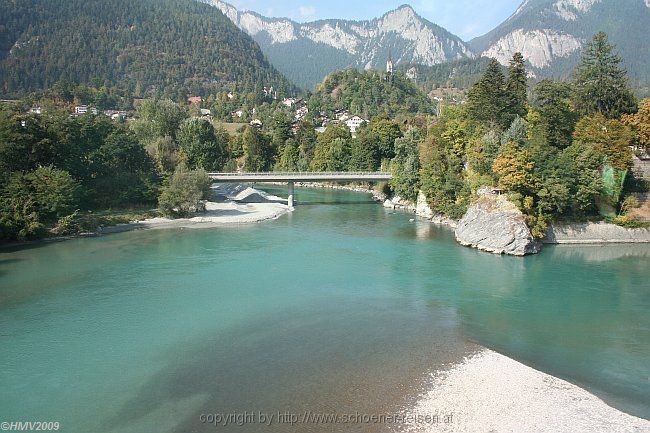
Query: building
[(389, 65), (83, 109), (354, 122), (290, 102), (237, 113), (194, 99), (301, 113), (35, 110), (256, 123), (205, 112), (341, 115), (115, 114)]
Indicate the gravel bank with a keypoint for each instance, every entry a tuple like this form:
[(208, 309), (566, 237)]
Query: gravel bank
[(489, 392)]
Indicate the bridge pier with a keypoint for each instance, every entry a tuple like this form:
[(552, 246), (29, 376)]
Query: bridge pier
[(290, 200)]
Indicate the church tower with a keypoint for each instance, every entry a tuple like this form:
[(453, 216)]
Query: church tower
[(389, 65)]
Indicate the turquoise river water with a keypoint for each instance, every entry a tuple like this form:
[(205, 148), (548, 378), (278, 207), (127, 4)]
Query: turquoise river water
[(340, 306)]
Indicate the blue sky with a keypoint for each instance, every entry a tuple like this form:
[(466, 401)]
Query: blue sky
[(465, 18)]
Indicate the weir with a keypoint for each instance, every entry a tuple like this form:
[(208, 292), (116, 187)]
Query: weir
[(292, 177)]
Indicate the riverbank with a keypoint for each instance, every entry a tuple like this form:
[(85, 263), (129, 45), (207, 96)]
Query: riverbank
[(489, 392), (233, 204)]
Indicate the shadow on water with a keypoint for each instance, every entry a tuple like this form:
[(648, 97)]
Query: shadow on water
[(302, 361)]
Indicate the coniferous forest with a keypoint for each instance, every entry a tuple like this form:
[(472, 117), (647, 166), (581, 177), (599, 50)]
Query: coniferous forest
[(130, 48)]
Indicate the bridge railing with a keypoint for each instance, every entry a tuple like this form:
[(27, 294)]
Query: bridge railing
[(302, 173)]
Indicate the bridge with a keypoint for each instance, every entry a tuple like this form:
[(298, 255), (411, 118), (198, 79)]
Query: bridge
[(307, 176)]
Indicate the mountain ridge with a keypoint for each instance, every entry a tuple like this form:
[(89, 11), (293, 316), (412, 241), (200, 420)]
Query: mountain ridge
[(363, 44), (549, 33)]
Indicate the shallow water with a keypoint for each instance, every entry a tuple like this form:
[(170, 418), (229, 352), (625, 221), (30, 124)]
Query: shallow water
[(341, 306)]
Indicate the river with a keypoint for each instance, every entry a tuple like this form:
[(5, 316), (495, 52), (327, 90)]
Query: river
[(339, 306)]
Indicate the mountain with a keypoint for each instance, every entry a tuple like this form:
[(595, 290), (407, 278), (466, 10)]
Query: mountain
[(144, 47), (551, 34), (306, 52)]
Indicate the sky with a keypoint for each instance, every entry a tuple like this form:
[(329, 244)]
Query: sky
[(464, 18)]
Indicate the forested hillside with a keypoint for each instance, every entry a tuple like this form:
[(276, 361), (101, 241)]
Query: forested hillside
[(460, 74), (142, 48), (369, 94)]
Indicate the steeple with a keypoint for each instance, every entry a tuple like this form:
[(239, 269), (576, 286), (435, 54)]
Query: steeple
[(389, 64)]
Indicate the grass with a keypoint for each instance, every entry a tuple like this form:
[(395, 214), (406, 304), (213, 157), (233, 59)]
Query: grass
[(90, 221), (231, 128)]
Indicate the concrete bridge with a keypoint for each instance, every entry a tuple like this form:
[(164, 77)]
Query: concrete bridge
[(308, 176)]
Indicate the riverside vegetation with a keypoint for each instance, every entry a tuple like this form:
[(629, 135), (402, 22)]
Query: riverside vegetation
[(559, 150)]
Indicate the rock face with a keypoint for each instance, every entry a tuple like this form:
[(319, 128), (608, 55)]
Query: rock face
[(539, 47), (494, 224), (551, 34), (594, 233)]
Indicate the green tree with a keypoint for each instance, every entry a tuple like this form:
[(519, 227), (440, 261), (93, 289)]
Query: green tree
[(306, 140), (385, 131), (158, 118), (184, 192), (290, 156), (515, 91), (325, 151), (487, 99), (600, 84), (202, 145), (257, 150), (405, 166), (365, 152), (29, 201), (557, 119)]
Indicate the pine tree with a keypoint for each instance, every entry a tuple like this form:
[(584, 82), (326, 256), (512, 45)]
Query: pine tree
[(515, 90), (486, 99), (556, 117), (601, 85)]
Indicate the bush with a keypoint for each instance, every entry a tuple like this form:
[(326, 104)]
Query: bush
[(184, 192), (628, 222)]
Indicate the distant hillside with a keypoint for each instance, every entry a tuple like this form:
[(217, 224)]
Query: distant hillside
[(369, 94), (175, 47), (306, 52), (551, 34), (460, 74)]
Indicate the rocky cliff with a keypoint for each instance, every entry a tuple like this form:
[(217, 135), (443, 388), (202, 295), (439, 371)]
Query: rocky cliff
[(551, 34), (494, 224), (594, 233), (307, 52)]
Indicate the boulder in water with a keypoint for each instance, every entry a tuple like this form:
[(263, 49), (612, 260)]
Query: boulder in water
[(494, 224)]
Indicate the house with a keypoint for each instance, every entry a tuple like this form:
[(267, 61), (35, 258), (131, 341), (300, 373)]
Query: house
[(290, 102), (237, 113), (323, 119), (230, 95), (301, 113), (354, 122), (83, 109), (205, 112), (256, 123), (35, 110), (341, 115), (194, 99), (115, 114)]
